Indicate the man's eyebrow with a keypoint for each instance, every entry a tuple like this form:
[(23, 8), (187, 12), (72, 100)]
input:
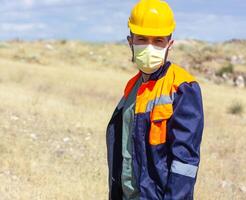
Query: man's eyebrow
[(141, 36), (160, 38)]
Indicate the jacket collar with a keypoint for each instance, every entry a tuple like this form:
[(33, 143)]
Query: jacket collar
[(160, 72)]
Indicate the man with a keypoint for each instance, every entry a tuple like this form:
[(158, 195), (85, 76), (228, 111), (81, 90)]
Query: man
[(154, 135)]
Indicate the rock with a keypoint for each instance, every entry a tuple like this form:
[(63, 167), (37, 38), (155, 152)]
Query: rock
[(87, 138), (49, 47), (66, 139), (34, 136), (7, 172), (242, 189), (239, 81), (237, 60), (228, 78), (14, 177), (14, 118), (78, 125), (225, 184)]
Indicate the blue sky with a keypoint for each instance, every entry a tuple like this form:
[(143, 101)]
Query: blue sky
[(97, 20)]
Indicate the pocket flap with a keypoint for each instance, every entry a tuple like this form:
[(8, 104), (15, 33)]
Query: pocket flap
[(161, 112)]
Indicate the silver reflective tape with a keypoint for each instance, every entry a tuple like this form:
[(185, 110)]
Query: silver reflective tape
[(121, 103), (158, 101), (184, 169)]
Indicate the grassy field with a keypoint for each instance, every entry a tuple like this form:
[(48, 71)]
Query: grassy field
[(56, 101)]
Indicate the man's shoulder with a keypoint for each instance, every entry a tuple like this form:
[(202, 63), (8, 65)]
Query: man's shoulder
[(180, 75), (131, 83), (182, 80)]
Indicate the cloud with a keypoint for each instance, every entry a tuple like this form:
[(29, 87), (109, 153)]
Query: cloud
[(104, 29), (52, 2), (28, 3), (82, 18), (28, 27), (24, 4), (86, 20), (209, 27)]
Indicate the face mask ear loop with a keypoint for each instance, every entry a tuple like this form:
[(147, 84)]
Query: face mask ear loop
[(165, 56), (167, 51), (132, 53)]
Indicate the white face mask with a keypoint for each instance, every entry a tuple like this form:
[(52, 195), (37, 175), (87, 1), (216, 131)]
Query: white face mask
[(148, 57)]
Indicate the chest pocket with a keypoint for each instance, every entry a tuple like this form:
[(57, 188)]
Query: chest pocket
[(158, 127)]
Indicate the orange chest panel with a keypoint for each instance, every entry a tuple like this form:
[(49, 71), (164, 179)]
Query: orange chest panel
[(155, 99)]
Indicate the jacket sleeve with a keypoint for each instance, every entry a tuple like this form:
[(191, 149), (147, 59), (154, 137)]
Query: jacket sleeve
[(185, 129)]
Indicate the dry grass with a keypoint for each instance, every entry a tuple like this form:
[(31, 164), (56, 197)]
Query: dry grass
[(54, 111), (222, 174)]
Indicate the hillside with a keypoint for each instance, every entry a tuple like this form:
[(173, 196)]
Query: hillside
[(219, 62), (58, 96)]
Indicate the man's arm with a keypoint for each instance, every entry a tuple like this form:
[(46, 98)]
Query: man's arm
[(185, 129)]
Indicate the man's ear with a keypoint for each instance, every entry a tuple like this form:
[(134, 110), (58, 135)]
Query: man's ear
[(129, 39), (170, 44)]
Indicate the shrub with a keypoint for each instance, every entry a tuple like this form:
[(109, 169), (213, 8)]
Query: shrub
[(236, 108), (63, 42), (229, 68)]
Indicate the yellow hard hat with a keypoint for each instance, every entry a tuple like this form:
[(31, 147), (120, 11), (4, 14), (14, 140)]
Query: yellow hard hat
[(152, 18)]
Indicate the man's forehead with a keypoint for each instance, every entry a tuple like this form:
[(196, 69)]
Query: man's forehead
[(150, 37)]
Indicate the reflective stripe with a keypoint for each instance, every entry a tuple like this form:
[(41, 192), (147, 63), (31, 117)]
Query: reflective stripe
[(121, 103), (158, 101), (184, 169)]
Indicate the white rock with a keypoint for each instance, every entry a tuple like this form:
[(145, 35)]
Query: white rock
[(243, 189), (34, 136), (88, 138), (240, 82), (14, 118), (78, 125), (66, 139), (14, 177), (49, 47), (225, 184), (7, 172)]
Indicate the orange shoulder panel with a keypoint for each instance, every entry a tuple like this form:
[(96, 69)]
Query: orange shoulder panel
[(179, 75), (131, 83)]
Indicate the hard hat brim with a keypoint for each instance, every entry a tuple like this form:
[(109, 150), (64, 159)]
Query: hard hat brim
[(151, 31)]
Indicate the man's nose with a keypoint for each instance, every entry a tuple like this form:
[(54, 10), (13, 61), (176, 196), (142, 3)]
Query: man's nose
[(149, 42)]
